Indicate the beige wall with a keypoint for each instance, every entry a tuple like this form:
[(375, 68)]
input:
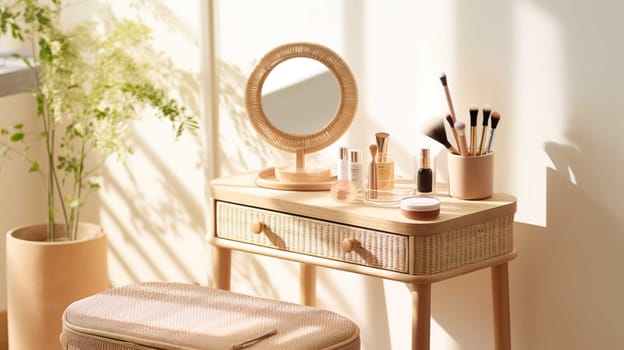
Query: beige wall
[(552, 68)]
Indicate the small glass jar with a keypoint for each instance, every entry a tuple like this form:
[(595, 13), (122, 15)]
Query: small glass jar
[(344, 191)]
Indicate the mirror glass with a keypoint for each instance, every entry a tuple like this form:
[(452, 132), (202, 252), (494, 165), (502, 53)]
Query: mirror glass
[(300, 96)]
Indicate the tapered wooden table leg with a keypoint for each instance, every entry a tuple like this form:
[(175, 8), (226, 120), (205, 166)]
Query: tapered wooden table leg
[(421, 315), (500, 299), (222, 266), (307, 284)]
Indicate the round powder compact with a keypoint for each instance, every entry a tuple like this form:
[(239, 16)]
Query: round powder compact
[(420, 207)]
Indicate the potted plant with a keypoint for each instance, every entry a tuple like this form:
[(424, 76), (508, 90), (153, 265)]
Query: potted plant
[(91, 85)]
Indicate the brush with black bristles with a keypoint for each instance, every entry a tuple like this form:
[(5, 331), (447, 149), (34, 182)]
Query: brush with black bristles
[(486, 117), (474, 113), (495, 119), (436, 131)]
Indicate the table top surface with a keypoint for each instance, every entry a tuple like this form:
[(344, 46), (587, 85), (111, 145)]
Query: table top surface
[(454, 213)]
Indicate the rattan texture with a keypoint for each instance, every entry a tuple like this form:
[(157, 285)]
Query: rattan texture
[(322, 138), (431, 254), (446, 251), (313, 237), (169, 316)]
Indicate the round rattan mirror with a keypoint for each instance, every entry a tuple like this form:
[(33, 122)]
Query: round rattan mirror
[(300, 177)]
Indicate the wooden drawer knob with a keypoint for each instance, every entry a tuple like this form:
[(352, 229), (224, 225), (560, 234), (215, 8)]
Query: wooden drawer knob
[(256, 227), (348, 245)]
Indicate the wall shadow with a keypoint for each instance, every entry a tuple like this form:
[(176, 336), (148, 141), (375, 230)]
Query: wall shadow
[(575, 266), (152, 221), (571, 271), (236, 131), (144, 231)]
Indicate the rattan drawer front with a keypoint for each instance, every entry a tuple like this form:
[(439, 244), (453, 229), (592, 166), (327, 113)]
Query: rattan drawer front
[(445, 251), (312, 237)]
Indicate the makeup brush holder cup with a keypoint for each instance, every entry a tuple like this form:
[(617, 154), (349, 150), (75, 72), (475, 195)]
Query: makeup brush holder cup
[(471, 177)]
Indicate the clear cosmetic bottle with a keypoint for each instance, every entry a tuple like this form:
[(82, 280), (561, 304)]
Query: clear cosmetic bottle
[(342, 168), (356, 169)]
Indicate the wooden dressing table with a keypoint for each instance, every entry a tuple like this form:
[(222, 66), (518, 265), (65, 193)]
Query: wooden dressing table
[(310, 228)]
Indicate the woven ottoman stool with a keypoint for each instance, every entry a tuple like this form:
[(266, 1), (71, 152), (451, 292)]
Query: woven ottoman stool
[(187, 317)]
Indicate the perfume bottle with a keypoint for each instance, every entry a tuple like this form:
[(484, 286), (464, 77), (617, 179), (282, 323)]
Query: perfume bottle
[(343, 190), (424, 175), (342, 168), (356, 170), (384, 163)]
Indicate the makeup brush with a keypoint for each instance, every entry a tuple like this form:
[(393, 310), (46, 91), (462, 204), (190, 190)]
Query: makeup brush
[(449, 119), (474, 113), (372, 172), (448, 96), (382, 145), (486, 117), (495, 119), (461, 133), (436, 131)]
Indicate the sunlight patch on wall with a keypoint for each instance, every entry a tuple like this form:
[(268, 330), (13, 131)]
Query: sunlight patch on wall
[(539, 93), (152, 208)]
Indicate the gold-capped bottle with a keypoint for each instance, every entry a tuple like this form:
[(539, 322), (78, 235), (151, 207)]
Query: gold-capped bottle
[(384, 163), (424, 175)]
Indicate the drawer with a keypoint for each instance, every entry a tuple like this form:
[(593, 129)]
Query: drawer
[(312, 237)]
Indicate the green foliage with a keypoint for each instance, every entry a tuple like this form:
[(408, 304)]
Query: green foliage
[(91, 85)]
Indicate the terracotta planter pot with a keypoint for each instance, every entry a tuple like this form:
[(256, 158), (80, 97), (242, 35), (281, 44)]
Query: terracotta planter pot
[(43, 278)]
